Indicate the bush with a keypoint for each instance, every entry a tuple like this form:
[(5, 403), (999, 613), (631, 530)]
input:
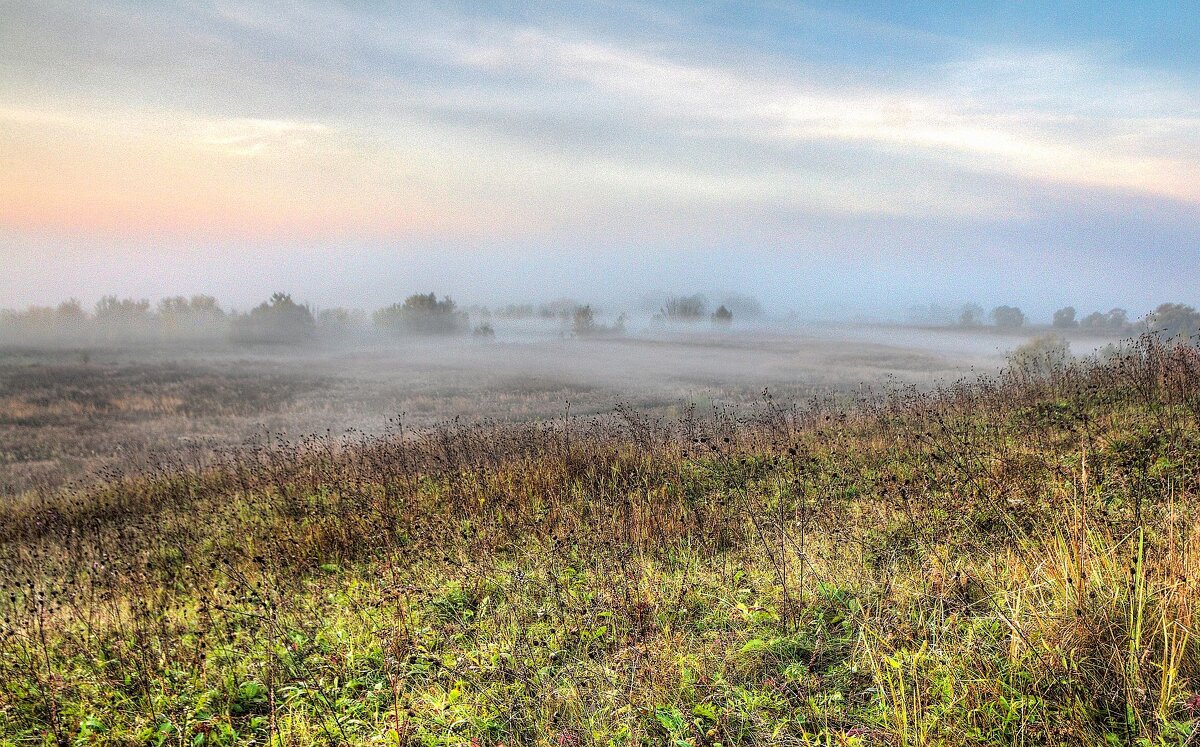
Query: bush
[(1008, 317), (1174, 321), (1065, 318), (685, 308), (198, 316), (1040, 356), (422, 314), (1116, 320), (277, 320), (124, 319), (970, 315), (584, 324)]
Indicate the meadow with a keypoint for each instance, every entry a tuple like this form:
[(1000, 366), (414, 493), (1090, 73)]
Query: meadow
[(73, 413), (1006, 558)]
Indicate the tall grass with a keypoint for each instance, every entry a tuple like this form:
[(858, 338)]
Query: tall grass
[(1010, 560)]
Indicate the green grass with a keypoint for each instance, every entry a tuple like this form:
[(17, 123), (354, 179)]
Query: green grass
[(1003, 562)]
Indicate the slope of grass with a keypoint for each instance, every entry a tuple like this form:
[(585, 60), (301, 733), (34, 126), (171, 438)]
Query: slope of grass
[(1003, 561)]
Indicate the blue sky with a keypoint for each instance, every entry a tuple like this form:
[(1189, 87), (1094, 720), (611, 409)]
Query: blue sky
[(871, 153)]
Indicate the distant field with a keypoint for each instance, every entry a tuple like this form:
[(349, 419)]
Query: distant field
[(69, 413)]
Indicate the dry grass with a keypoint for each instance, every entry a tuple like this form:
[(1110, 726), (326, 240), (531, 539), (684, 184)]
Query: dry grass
[(1004, 561)]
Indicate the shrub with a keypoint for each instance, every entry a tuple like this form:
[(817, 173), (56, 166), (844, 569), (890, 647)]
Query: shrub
[(1040, 356), (123, 319), (1008, 317), (1064, 318), (970, 315), (584, 324), (1174, 321), (183, 317), (1116, 320), (422, 314), (277, 320), (685, 308)]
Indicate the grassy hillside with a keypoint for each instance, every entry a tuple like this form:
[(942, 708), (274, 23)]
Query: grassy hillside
[(1005, 561)]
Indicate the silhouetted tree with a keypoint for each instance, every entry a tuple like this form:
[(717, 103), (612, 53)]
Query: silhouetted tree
[(722, 316), (1008, 317), (279, 319), (422, 314), (1174, 321), (684, 308), (124, 319), (197, 316), (584, 322), (970, 315), (1064, 318)]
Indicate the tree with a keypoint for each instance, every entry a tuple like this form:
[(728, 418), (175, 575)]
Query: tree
[(722, 316), (123, 319), (1064, 318), (584, 322), (1116, 320), (277, 320), (422, 314), (71, 313), (684, 308), (198, 315), (1008, 317), (1174, 321), (970, 315)]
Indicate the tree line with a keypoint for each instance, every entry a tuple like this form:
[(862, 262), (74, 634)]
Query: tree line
[(1168, 319), (280, 319)]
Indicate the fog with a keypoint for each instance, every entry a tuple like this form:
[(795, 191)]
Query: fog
[(820, 284), (846, 194)]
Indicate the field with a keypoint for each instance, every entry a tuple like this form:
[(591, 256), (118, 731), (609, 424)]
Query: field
[(69, 413), (1011, 558)]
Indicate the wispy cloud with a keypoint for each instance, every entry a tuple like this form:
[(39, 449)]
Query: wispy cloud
[(571, 122), (254, 137), (1056, 136)]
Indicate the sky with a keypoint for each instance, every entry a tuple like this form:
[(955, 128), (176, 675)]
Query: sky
[(818, 155)]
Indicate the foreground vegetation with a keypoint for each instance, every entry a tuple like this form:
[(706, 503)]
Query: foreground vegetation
[(1006, 561)]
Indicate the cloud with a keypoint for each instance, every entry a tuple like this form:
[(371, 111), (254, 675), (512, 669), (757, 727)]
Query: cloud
[(561, 124), (1054, 138), (254, 137)]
